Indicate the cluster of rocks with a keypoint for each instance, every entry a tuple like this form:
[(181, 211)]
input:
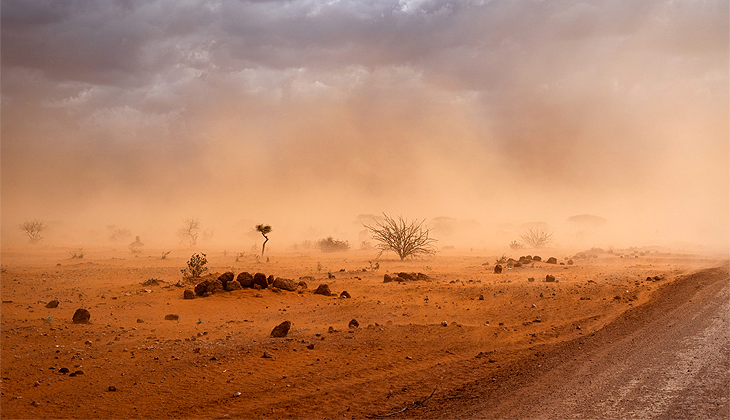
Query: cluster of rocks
[(527, 259), (403, 277), (228, 282)]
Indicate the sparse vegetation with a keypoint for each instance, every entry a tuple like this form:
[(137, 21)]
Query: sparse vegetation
[(32, 229), (516, 245), (136, 246), (264, 230), (333, 245), (191, 230), (165, 254), (196, 266), (239, 255), (118, 233), (374, 265), (76, 254), (536, 238), (407, 239), (501, 260)]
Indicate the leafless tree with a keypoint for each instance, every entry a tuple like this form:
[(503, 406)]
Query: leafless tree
[(536, 238), (407, 239), (32, 229), (190, 229), (264, 229)]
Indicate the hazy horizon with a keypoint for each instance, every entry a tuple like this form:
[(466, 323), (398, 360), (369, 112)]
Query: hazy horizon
[(304, 114)]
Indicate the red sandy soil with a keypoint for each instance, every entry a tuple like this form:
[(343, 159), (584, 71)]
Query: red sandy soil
[(208, 363)]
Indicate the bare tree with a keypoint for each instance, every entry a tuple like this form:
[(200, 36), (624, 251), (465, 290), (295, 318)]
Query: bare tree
[(407, 239), (32, 229), (264, 229), (536, 238), (190, 229)]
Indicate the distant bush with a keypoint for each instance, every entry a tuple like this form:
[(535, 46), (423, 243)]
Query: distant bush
[(333, 245), (516, 245)]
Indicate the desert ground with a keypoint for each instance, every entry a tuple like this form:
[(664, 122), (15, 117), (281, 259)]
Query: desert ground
[(419, 348)]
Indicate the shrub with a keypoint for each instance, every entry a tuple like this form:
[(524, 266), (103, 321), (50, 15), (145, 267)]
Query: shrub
[(333, 245), (536, 238), (407, 239), (32, 229), (196, 266)]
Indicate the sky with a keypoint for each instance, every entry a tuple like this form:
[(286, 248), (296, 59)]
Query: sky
[(480, 117)]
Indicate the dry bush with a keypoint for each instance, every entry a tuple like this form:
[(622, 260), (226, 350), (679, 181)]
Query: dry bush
[(136, 246), (196, 266), (536, 238), (516, 245), (333, 245), (407, 239), (32, 229), (190, 229)]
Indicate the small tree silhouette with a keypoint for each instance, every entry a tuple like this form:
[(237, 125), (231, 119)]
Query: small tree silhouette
[(407, 239), (264, 229), (136, 246), (32, 229), (190, 229), (536, 238)]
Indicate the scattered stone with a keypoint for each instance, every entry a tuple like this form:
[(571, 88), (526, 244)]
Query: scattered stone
[(79, 372), (531, 279), (63, 370), (81, 316), (570, 262), (236, 394), (267, 355), (549, 278), (552, 260), (270, 279), (226, 277), (245, 279), (172, 317), (353, 324), (259, 279), (35, 403), (88, 342), (481, 297), (140, 321), (310, 346), (52, 304), (536, 258), (112, 388), (188, 294), (152, 282), (497, 269), (323, 289), (285, 284), (444, 323), (281, 330), (345, 295), (387, 278), (517, 264)]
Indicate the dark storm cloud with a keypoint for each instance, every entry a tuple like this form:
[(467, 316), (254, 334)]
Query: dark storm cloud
[(393, 101)]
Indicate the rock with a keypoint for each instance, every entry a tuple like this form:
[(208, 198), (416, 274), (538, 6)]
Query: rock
[(285, 284), (172, 317), (89, 342), (140, 321), (444, 324), (497, 269), (215, 286), (233, 285), (536, 258), (188, 294), (407, 276), (226, 277), (201, 288), (481, 297), (260, 280), (323, 289), (281, 330), (552, 260), (353, 324), (63, 370), (270, 279), (303, 284), (531, 279), (570, 262), (517, 264), (52, 304), (345, 295), (246, 279), (549, 278), (267, 355), (81, 316), (112, 388), (387, 278), (310, 346)]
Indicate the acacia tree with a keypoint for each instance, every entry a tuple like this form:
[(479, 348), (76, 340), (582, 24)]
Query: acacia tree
[(190, 229), (32, 229), (536, 238), (264, 229), (407, 239)]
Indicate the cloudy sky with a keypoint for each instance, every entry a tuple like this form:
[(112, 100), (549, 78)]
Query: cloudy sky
[(306, 113)]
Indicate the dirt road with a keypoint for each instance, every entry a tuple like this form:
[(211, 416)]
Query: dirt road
[(669, 358)]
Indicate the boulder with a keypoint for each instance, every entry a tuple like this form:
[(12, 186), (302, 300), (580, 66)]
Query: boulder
[(549, 278), (323, 289), (303, 284), (172, 317), (270, 279), (285, 284), (570, 262), (246, 279), (531, 279), (201, 288), (81, 316), (281, 330), (536, 258), (260, 280), (215, 286), (232, 285), (52, 304), (552, 260), (407, 276), (353, 324), (497, 269), (345, 295), (188, 294), (226, 277), (387, 278)]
